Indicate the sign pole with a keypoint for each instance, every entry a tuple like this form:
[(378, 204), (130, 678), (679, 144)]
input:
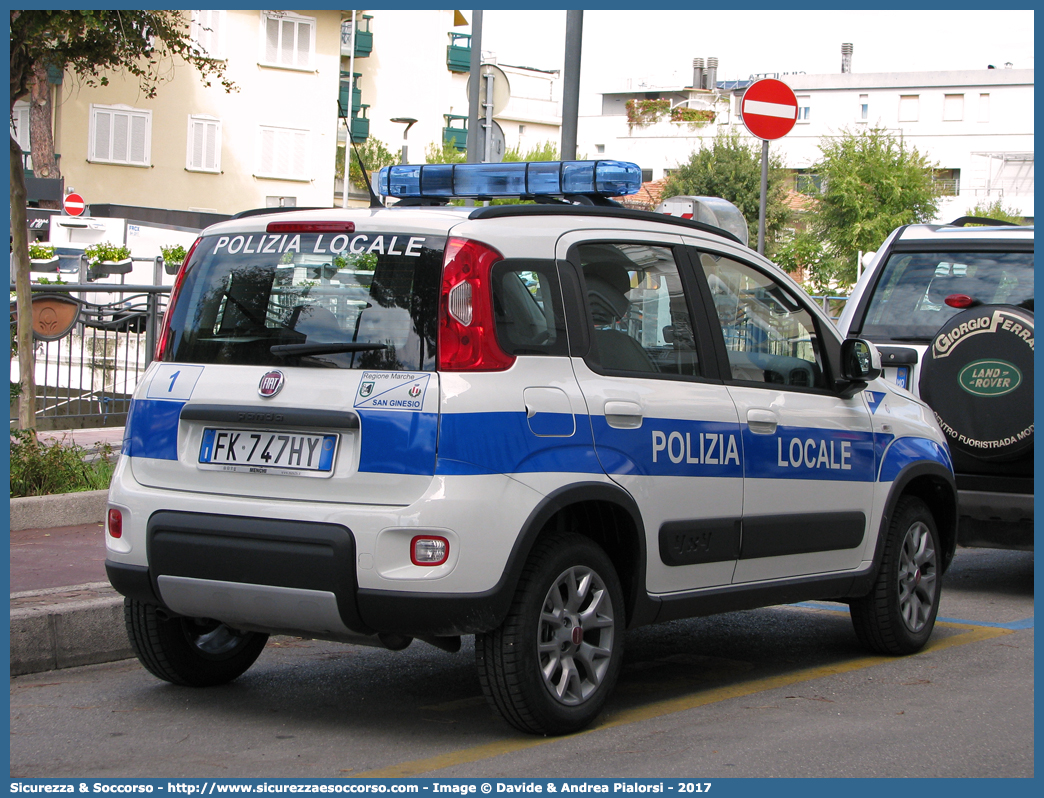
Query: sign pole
[(764, 197)]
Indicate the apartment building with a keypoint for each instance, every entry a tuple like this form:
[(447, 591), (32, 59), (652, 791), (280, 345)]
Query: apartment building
[(305, 79), (976, 125)]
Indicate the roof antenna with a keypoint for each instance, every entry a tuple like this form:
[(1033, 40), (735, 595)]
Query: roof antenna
[(375, 201)]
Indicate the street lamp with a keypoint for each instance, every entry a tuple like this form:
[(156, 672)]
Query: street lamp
[(405, 120)]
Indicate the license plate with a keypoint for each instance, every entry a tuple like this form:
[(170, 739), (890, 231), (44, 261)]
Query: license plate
[(258, 452), (900, 376)]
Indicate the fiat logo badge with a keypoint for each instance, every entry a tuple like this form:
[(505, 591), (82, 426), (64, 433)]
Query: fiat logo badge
[(270, 384)]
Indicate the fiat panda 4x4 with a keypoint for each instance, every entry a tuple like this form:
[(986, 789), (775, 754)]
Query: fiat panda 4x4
[(539, 424), (950, 308)]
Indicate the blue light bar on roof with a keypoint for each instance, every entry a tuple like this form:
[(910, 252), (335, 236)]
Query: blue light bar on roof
[(520, 179)]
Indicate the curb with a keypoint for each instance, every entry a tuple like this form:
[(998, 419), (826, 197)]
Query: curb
[(60, 509), (67, 626)]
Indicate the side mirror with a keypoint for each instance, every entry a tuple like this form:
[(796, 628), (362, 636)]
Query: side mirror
[(860, 361)]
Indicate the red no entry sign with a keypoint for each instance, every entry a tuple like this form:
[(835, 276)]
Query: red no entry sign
[(769, 109), (74, 204)]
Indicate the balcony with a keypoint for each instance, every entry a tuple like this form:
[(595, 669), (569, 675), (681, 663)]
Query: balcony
[(360, 125), (363, 38), (350, 97), (458, 53), (455, 134)]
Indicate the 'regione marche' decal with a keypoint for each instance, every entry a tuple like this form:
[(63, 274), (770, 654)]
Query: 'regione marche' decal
[(989, 378)]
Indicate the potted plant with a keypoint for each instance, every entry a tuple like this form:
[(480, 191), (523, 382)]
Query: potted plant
[(105, 259), (173, 257), (42, 257)]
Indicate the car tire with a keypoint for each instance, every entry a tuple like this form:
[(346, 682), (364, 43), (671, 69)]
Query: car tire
[(550, 666), (192, 652), (898, 615)]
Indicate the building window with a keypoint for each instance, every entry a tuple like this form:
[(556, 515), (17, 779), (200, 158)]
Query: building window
[(20, 124), (864, 107), (283, 153), (909, 107), (280, 202), (600, 149), (806, 182), (208, 33), (984, 108), (804, 111), (119, 134), (204, 144), (646, 175), (289, 40), (953, 107), (947, 181), (521, 130)]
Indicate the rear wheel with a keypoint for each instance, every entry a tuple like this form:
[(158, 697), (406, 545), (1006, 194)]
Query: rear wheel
[(551, 665), (194, 652), (898, 615)]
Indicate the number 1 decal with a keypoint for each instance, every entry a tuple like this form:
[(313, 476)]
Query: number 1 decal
[(173, 382), (173, 377)]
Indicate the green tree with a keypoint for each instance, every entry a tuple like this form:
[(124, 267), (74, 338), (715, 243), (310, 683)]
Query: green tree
[(872, 183), (144, 44), (730, 168), (996, 210), (804, 253), (375, 154)]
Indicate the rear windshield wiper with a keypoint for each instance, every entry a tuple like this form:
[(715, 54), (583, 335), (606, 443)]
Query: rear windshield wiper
[(287, 350)]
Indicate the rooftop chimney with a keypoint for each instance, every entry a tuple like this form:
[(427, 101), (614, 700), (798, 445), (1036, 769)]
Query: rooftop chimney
[(712, 73), (846, 57), (697, 73)]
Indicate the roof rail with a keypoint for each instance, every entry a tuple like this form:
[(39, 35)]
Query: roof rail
[(501, 211), (264, 211), (964, 221)]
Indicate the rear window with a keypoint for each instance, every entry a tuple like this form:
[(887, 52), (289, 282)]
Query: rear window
[(354, 301), (909, 303)]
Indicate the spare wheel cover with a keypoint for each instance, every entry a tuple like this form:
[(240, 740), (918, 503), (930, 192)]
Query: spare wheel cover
[(978, 378)]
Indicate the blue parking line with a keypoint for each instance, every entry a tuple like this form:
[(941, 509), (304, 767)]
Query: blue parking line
[(1025, 623)]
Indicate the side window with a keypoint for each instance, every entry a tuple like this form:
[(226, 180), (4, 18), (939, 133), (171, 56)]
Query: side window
[(638, 313), (527, 307), (769, 336)]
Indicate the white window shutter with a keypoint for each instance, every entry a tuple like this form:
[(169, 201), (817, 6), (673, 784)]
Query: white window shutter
[(300, 155), (271, 39), (138, 140), (102, 136), (213, 144), (304, 43), (120, 137)]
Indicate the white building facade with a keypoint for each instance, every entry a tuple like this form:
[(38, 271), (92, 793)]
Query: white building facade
[(975, 125)]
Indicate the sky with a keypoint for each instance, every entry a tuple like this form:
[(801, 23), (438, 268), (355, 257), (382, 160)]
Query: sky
[(657, 47)]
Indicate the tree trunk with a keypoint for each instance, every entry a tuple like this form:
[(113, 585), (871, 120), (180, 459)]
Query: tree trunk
[(41, 138), (23, 292)]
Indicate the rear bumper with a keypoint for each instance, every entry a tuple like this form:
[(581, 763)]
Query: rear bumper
[(289, 577), (995, 520)]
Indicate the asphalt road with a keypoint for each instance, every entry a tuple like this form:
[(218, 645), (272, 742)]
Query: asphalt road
[(783, 691)]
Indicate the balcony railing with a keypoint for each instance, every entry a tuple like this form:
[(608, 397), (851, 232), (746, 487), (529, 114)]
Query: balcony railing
[(458, 52)]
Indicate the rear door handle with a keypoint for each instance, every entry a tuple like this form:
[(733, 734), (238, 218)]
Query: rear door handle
[(623, 415), (761, 422)]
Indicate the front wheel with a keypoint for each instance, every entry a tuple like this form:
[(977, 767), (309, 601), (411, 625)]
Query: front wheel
[(898, 615), (193, 652), (550, 666)]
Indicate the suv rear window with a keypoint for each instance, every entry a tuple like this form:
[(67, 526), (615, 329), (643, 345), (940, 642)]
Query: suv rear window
[(909, 301), (375, 294)]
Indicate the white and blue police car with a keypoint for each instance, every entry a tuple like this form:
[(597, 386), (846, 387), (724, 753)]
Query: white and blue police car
[(540, 424)]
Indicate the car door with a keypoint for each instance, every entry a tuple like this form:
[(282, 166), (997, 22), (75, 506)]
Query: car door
[(808, 451), (663, 430)]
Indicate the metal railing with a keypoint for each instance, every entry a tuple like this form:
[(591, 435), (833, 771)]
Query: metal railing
[(87, 378)]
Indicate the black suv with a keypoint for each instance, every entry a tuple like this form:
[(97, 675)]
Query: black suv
[(950, 307)]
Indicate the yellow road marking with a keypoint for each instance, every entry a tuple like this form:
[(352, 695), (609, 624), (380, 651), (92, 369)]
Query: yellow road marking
[(418, 767)]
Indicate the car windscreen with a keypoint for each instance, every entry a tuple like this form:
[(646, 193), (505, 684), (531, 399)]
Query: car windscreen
[(909, 303), (362, 301)]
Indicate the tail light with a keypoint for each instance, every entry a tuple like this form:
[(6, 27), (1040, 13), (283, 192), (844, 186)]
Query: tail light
[(960, 301), (115, 524), (163, 339), (467, 335)]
